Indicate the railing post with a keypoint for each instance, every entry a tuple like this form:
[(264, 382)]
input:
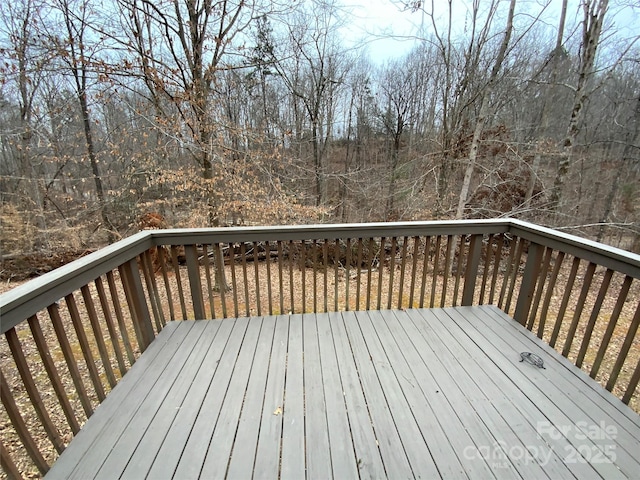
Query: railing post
[(471, 272), (139, 305), (529, 280), (194, 281)]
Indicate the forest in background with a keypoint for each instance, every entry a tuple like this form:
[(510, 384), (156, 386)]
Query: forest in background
[(121, 114)]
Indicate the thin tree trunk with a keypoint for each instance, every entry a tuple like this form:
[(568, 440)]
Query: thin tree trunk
[(78, 67), (591, 30), (546, 101), (633, 135), (395, 153), (347, 165), (482, 117)]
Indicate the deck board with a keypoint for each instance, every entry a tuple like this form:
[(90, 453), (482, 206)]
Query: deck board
[(366, 448), (545, 392), (270, 434), (140, 462), (420, 393)]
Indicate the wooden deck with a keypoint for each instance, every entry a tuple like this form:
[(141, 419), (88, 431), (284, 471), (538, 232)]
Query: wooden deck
[(396, 394)]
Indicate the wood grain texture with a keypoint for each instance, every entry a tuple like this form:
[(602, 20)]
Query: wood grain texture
[(416, 393)]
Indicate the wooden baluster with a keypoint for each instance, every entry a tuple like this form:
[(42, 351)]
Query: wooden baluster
[(243, 263), (565, 301), (507, 274), (414, 269), (425, 264), (280, 277), (514, 274), (550, 288), (586, 285), (135, 322), (347, 275), (613, 321), (165, 277), (84, 346), (325, 256), (20, 427), (436, 264), (52, 372), (97, 333), (624, 350), (207, 272), (176, 271), (485, 270), (403, 267), (137, 303), (315, 276), (234, 283), (111, 328), (358, 273), (8, 465), (528, 283), (115, 301), (72, 365), (32, 391), (381, 259), (195, 284), (497, 260), (633, 384), (392, 270), (303, 268), (370, 259), (595, 311), (471, 270), (257, 276), (544, 271), (152, 289), (291, 292), (220, 275), (269, 288), (336, 271), (447, 261), (456, 288)]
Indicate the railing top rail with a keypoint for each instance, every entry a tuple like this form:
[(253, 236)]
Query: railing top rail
[(31, 297), (329, 231), (610, 257), (25, 300)]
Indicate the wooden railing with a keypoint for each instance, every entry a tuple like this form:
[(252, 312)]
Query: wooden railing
[(71, 334)]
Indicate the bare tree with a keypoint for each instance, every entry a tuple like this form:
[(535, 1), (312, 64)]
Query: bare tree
[(180, 48), (74, 45), (313, 68), (398, 87), (594, 12), (484, 112), (631, 144), (547, 99)]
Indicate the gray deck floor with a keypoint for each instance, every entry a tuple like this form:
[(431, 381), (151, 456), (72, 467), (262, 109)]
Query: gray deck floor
[(396, 394)]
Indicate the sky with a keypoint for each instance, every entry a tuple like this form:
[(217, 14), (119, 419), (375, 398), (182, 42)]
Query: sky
[(386, 30), (389, 31)]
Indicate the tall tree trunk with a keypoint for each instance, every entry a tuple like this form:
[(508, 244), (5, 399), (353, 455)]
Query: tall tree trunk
[(97, 179), (442, 186), (395, 154), (482, 116), (594, 13), (79, 63), (546, 101), (344, 190), (317, 164), (633, 135)]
